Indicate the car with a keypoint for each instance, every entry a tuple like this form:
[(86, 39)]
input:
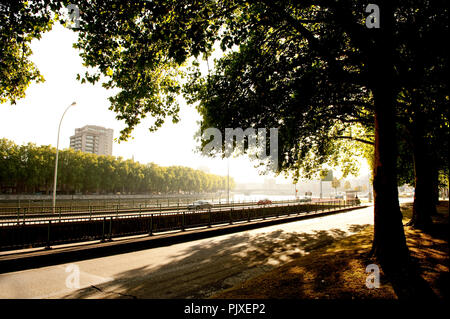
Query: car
[(304, 199), (339, 196), (200, 204), (264, 202)]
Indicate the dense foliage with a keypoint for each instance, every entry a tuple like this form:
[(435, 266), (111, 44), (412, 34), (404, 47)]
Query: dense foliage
[(30, 168), (20, 23)]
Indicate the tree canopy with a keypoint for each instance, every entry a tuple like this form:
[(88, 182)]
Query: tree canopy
[(29, 169), (20, 23)]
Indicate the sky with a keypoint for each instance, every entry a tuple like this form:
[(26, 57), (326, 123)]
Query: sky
[(36, 117)]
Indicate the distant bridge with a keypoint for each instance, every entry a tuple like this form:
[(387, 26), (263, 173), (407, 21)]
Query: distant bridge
[(265, 191)]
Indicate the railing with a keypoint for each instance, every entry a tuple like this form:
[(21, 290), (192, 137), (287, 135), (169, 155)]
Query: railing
[(38, 232), (120, 206)]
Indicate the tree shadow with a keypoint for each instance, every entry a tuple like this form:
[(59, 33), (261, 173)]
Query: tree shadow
[(208, 267), (408, 282), (429, 253), (356, 228)]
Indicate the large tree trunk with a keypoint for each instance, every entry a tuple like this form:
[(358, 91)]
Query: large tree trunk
[(389, 242), (435, 190), (425, 173)]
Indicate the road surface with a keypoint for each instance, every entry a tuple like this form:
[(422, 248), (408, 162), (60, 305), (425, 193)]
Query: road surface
[(196, 269)]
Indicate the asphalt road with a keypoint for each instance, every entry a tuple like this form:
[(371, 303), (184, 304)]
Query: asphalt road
[(196, 269)]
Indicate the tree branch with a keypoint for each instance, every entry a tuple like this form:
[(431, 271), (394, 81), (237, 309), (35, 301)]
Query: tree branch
[(355, 139)]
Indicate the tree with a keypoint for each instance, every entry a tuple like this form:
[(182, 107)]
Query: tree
[(347, 185), (335, 184), (29, 168), (20, 23), (8, 164), (423, 115)]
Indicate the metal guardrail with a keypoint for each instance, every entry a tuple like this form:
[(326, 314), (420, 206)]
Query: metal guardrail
[(76, 204), (39, 232), (121, 207), (42, 212)]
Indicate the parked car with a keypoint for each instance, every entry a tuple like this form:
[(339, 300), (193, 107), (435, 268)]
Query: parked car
[(339, 196), (200, 204), (264, 202)]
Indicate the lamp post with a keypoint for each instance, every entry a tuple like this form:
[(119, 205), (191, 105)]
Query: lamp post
[(228, 180), (56, 160)]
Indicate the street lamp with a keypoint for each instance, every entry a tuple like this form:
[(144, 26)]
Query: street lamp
[(56, 160), (228, 180)]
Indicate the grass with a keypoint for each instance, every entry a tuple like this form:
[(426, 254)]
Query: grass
[(337, 271)]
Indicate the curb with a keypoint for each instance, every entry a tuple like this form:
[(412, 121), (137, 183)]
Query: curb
[(42, 258)]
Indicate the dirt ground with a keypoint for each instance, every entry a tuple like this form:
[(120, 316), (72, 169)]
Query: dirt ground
[(338, 271)]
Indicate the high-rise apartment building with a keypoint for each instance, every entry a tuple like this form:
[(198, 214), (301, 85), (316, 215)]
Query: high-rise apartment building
[(93, 139)]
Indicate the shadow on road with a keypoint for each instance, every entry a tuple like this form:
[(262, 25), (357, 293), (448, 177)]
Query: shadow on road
[(211, 266)]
